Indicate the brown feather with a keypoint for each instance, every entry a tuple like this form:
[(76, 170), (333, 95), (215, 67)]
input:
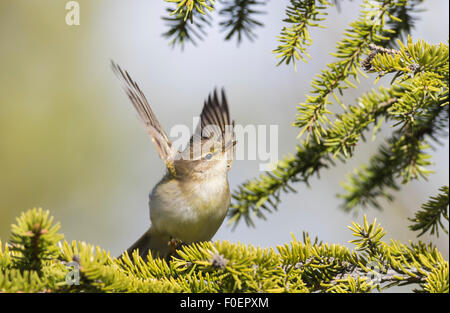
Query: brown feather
[(215, 113), (142, 106)]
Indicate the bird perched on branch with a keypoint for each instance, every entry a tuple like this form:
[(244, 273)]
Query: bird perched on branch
[(192, 199)]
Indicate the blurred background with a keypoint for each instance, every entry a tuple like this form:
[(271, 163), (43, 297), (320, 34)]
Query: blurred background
[(70, 141)]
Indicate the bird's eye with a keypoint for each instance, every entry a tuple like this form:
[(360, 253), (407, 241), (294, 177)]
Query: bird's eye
[(208, 156)]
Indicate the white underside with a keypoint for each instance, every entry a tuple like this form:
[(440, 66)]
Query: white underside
[(189, 215)]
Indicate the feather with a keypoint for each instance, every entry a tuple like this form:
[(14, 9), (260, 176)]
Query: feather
[(142, 106)]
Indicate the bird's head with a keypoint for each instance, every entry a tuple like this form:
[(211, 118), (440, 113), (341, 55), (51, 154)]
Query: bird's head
[(206, 157)]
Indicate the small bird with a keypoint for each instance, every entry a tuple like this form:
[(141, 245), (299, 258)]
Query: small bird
[(192, 199)]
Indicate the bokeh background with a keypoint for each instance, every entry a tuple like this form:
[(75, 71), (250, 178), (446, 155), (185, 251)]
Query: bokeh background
[(71, 142)]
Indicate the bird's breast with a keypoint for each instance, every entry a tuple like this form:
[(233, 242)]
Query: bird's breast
[(190, 211), (209, 194)]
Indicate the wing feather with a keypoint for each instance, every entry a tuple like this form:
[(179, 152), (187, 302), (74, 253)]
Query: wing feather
[(142, 106), (215, 112)]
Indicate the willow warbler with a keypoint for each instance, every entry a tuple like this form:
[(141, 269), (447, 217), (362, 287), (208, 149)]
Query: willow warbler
[(192, 199)]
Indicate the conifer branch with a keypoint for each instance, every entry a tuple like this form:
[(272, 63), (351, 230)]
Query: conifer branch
[(182, 31), (369, 28), (408, 15), (429, 217), (239, 18), (189, 20), (34, 240), (298, 266), (187, 8), (300, 16), (263, 194), (418, 104), (404, 156), (421, 113)]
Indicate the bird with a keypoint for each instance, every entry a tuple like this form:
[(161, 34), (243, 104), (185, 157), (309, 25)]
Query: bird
[(191, 200)]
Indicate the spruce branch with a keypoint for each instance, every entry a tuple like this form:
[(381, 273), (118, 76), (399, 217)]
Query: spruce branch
[(369, 28), (294, 38), (421, 115), (404, 156), (239, 18), (437, 281), (408, 16), (188, 21), (187, 8), (417, 103), (15, 280), (263, 194), (298, 266), (419, 58), (429, 217), (366, 64), (6, 256), (392, 264), (34, 240), (182, 31)]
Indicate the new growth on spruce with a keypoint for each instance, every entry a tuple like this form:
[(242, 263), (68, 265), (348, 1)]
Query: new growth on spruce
[(298, 266), (416, 102)]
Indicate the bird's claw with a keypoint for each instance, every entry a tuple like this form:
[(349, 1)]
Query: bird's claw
[(174, 244)]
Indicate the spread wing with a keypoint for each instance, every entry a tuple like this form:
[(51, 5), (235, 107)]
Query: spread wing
[(140, 103), (215, 118)]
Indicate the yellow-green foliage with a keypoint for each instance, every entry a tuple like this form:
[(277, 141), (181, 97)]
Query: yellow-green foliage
[(298, 266), (186, 7), (417, 104)]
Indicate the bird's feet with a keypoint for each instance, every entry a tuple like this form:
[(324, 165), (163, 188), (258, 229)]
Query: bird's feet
[(173, 244)]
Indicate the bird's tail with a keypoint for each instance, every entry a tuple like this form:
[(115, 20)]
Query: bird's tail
[(152, 241)]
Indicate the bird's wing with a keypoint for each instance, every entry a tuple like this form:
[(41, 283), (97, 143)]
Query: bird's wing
[(215, 113), (140, 103)]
